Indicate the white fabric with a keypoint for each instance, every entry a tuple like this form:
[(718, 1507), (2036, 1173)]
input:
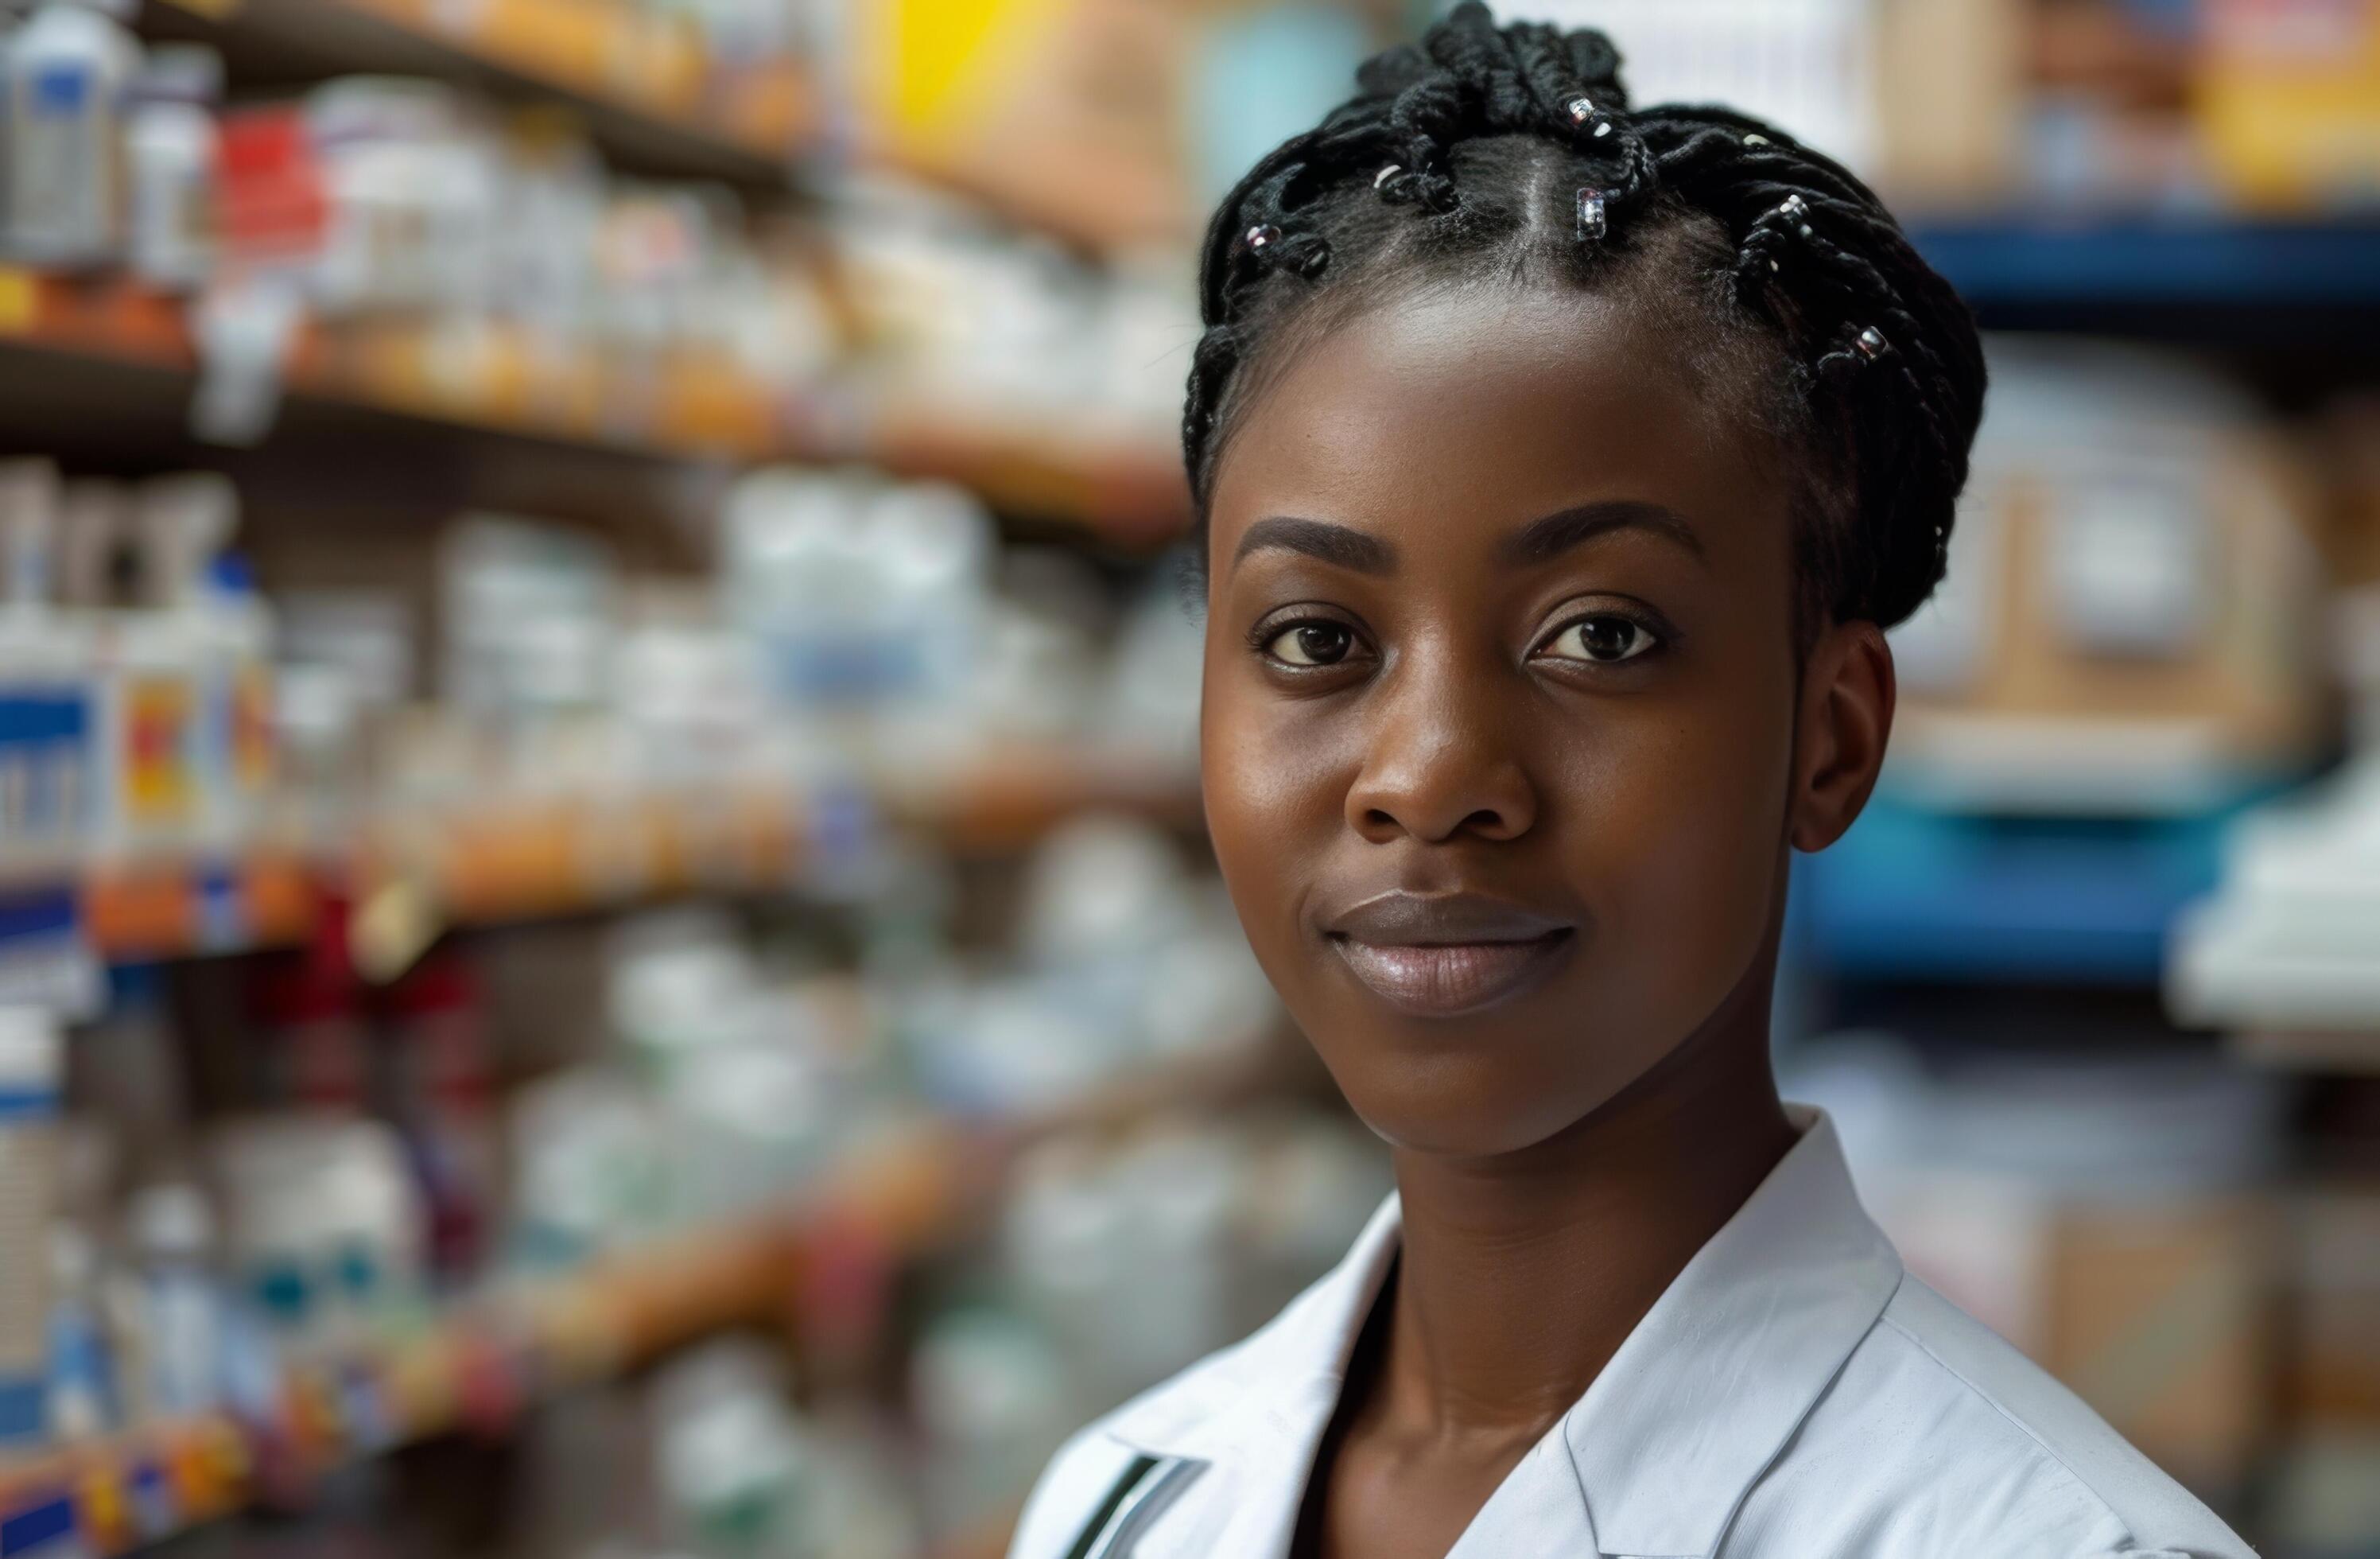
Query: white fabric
[(1793, 1394)]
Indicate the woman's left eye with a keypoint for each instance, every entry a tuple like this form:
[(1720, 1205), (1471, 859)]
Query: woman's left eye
[(1606, 638)]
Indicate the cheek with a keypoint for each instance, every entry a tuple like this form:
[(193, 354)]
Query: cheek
[(1271, 808), (1680, 818)]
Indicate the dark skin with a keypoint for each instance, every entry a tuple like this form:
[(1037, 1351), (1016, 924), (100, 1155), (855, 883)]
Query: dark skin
[(1531, 642)]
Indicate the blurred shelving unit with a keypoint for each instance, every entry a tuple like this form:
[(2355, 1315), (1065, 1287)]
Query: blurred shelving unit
[(2064, 862), (1921, 894), (478, 1365), (103, 372), (475, 1369), (639, 85), (121, 344), (2208, 278), (639, 90), (496, 863), (2351, 1054), (1107, 203)]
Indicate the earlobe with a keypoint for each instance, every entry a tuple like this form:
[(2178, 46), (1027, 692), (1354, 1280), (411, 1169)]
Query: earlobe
[(1848, 694)]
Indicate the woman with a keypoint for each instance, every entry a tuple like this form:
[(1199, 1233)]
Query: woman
[(1559, 467)]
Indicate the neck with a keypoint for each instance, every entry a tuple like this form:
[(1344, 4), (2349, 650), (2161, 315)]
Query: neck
[(1521, 1275)]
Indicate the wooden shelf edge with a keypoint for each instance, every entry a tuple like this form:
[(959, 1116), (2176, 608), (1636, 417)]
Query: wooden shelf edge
[(516, 864), (1126, 494)]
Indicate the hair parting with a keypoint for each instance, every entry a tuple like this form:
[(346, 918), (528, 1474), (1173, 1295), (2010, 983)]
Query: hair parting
[(1514, 150)]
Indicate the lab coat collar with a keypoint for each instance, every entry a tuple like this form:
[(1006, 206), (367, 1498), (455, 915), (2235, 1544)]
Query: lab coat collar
[(1673, 1433), (1265, 1395)]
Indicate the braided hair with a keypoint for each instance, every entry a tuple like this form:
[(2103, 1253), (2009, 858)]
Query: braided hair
[(1512, 150)]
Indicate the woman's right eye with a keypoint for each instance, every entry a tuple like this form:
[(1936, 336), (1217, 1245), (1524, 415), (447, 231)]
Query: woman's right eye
[(1312, 644)]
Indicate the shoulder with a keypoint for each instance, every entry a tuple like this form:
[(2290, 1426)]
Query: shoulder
[(1069, 1490), (1951, 1442), (1100, 1460)]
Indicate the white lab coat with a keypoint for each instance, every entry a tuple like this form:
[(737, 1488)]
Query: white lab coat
[(1793, 1394)]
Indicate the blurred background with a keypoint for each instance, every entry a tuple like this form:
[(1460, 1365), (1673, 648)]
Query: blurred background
[(605, 948)]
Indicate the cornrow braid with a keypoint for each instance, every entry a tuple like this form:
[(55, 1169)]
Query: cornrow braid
[(1518, 144)]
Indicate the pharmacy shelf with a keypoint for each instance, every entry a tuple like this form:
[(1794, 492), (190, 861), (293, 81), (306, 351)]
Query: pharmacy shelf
[(1917, 893), (407, 878), (1010, 794), (2346, 1054), (478, 1367), (1097, 199), (2210, 278), (117, 345), (640, 86), (137, 911)]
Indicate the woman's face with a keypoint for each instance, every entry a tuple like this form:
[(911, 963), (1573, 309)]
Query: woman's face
[(1499, 737)]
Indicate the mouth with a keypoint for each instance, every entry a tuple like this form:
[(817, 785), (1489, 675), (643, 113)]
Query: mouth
[(1443, 957)]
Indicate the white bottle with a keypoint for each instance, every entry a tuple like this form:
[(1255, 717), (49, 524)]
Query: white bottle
[(66, 73), (218, 632), (44, 678), (82, 1387), (172, 151), (29, 532), (181, 1304)]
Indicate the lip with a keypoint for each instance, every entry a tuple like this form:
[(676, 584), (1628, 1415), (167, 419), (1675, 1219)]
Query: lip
[(1442, 954)]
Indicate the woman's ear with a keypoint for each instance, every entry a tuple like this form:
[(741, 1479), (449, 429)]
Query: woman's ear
[(1848, 693)]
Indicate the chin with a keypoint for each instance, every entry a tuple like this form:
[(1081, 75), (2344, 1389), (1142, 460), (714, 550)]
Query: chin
[(1469, 1103)]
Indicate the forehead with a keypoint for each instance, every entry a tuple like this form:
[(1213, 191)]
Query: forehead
[(1465, 413)]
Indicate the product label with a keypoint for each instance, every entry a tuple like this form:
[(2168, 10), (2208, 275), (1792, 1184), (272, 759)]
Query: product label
[(60, 186), (61, 90), (158, 786), (21, 299), (45, 960), (251, 729), (43, 736)]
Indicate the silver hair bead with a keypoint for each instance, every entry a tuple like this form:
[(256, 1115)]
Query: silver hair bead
[(1261, 237), (1794, 208), (1593, 216), (1385, 174), (1870, 344), (1755, 140), (1582, 109), (1603, 129)]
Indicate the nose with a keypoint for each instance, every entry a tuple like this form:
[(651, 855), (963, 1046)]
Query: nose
[(1438, 762)]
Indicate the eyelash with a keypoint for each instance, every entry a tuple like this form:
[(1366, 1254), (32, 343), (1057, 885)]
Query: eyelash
[(1658, 632), (1268, 630)]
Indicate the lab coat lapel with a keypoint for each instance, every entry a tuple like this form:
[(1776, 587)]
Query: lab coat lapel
[(1254, 1415), (1651, 1463), (1708, 1387)]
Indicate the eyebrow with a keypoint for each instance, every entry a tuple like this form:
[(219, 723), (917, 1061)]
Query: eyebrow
[(1541, 539), (1538, 541), (1339, 544)]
